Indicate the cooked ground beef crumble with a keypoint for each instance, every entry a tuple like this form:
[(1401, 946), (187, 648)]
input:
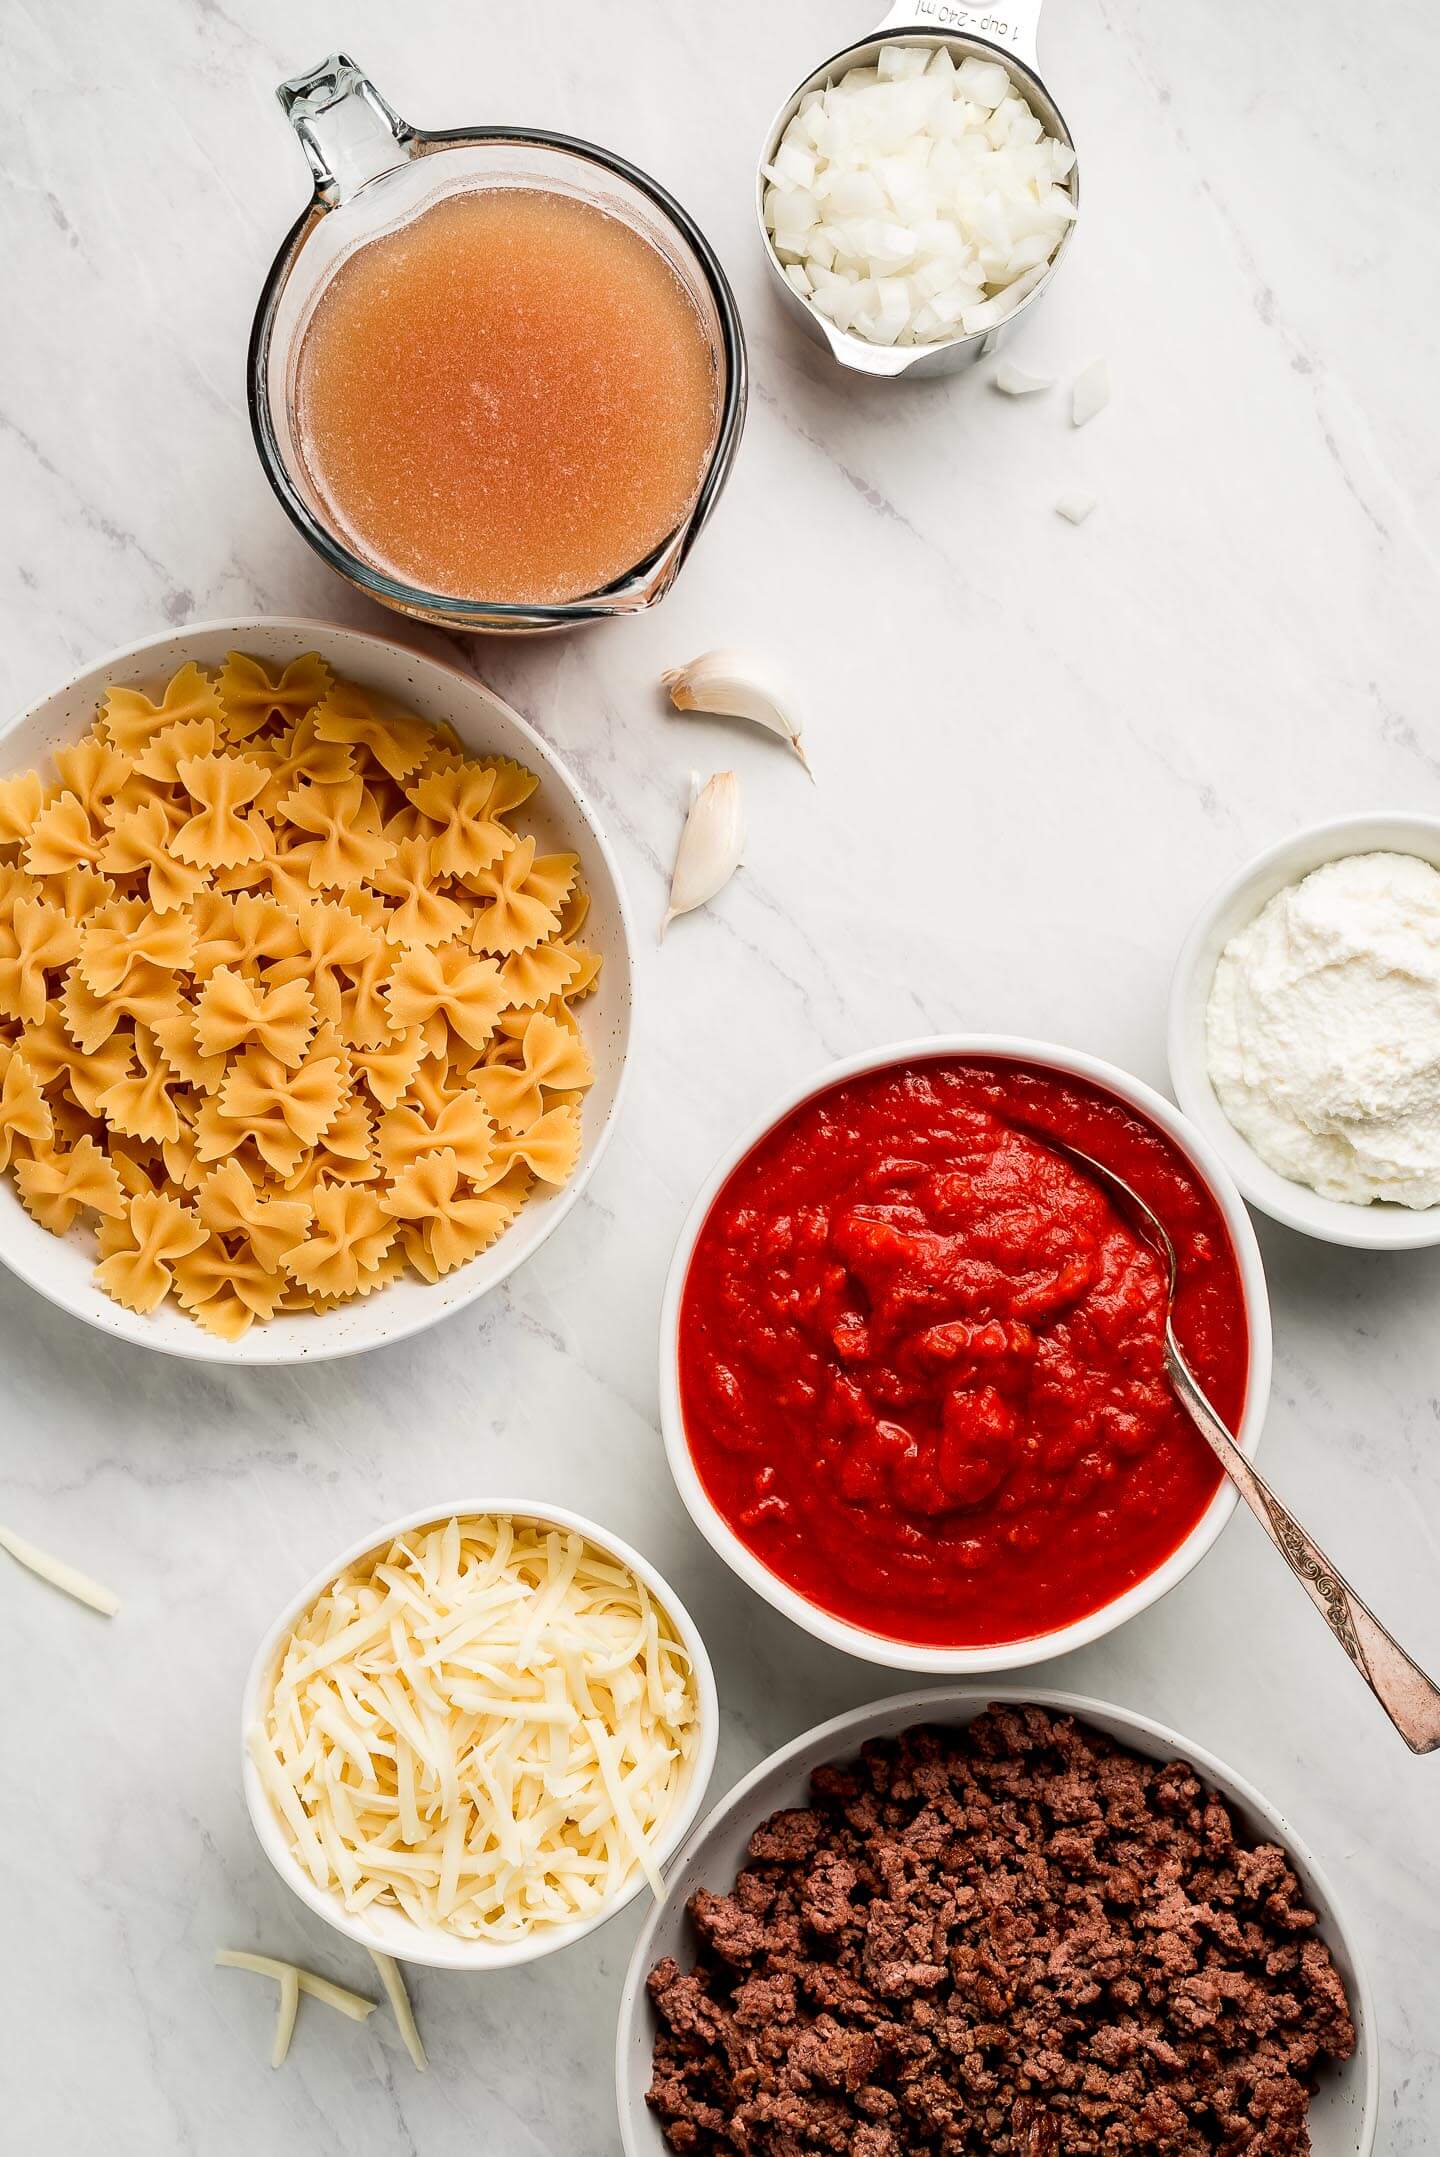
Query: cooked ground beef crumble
[(1017, 1938)]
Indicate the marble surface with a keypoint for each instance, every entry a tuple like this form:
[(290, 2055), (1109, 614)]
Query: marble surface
[(1037, 750)]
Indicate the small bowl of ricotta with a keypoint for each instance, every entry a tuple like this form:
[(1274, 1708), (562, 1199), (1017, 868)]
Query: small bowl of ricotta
[(1304, 1033)]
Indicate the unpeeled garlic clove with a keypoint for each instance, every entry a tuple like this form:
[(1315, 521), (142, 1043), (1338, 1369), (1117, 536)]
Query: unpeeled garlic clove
[(732, 685), (710, 845)]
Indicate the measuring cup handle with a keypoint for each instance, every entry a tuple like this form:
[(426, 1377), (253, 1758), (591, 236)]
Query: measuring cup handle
[(1010, 25), (346, 129)]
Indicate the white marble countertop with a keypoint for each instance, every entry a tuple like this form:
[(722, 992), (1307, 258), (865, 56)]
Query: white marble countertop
[(1037, 749)]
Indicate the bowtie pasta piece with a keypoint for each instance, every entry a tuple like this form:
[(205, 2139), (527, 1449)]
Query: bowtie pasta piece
[(348, 845), (284, 994), (465, 832), (387, 1071), (94, 772), (123, 935), (549, 1148), (350, 1235), (132, 721), (461, 1125), (425, 914), (35, 939), (21, 801), (25, 1114), (552, 1056), (233, 1013), (142, 844), (395, 738), (446, 988), (219, 835), (457, 1223), (56, 1186), (139, 1250), (62, 837), (160, 760), (252, 697), (224, 1291), (138, 1104), (525, 897), (230, 1205)]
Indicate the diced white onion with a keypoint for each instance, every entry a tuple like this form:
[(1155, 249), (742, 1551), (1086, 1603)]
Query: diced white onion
[(915, 200), (1015, 382), (1091, 393)]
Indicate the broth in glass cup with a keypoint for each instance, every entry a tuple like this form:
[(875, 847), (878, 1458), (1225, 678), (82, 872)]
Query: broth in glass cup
[(497, 377)]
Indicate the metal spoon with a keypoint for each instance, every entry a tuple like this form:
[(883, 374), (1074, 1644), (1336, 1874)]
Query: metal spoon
[(1409, 1698)]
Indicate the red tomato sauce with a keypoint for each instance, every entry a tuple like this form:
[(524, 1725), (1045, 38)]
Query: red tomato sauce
[(921, 1355)]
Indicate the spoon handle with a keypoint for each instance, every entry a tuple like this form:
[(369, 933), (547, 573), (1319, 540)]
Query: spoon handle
[(1408, 1696)]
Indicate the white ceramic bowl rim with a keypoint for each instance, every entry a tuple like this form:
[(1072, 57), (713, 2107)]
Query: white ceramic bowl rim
[(41, 1261), (1014, 1654), (842, 1736), (391, 1932), (1376, 1227)]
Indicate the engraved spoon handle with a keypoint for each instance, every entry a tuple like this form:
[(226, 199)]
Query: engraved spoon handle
[(1409, 1698)]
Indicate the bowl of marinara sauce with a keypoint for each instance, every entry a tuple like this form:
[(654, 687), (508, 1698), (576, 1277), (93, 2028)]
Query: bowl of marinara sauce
[(912, 1376)]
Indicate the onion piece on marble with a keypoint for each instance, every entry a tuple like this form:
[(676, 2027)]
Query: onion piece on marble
[(1091, 393), (1015, 382)]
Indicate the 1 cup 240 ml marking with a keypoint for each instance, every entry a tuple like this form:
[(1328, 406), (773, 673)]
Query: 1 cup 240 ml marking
[(511, 397)]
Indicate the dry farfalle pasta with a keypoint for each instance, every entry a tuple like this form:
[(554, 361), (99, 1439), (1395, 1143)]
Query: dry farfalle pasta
[(284, 994)]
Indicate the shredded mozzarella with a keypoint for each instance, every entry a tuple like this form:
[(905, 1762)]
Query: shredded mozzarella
[(485, 1726), (353, 2004), (59, 1575), (399, 2000)]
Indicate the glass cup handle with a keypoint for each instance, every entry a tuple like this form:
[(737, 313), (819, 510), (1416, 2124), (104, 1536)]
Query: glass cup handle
[(1010, 24), (346, 129)]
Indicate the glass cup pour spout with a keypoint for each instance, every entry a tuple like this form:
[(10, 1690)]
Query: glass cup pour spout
[(372, 171)]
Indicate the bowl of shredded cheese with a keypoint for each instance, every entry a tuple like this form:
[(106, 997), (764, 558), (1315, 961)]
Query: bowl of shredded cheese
[(477, 1734)]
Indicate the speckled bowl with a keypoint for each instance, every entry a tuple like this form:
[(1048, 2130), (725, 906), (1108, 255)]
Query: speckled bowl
[(1343, 2117), (60, 1267)]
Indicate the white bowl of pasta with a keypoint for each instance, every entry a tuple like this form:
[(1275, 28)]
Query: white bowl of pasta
[(468, 1740), (315, 992)]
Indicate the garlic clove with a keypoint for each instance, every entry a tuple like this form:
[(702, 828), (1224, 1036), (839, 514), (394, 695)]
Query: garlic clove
[(1075, 507), (710, 845), (1091, 393), (732, 685)]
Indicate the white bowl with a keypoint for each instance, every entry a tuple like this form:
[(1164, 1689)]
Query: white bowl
[(1010, 1654), (1343, 2113), (390, 1932), (1377, 1227), (61, 1267)]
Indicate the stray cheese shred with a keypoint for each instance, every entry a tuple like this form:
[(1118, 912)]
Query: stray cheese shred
[(399, 2000), (485, 1725), (59, 1574)]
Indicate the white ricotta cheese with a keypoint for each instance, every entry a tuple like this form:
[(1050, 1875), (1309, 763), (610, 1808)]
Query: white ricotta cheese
[(1323, 1031)]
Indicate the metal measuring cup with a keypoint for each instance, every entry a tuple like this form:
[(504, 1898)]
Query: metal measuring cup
[(1005, 32)]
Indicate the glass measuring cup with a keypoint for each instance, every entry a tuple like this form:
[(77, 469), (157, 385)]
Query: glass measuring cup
[(373, 173), (1005, 32)]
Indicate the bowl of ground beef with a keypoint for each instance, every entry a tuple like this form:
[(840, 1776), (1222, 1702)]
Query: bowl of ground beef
[(1038, 1927)]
